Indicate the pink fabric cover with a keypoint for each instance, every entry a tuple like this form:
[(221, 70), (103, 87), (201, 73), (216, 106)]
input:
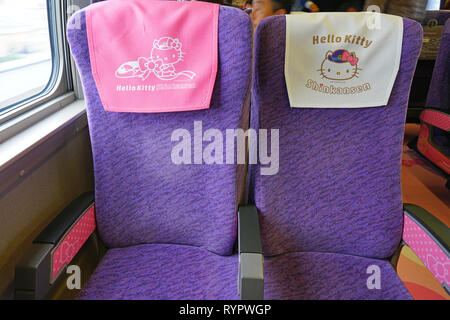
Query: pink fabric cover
[(427, 250), (153, 56), (69, 246)]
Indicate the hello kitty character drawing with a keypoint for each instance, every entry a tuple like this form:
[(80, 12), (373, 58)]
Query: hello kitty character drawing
[(166, 52), (339, 65)]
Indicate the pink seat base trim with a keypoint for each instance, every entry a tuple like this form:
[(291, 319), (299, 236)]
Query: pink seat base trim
[(429, 151), (71, 243), (436, 118)]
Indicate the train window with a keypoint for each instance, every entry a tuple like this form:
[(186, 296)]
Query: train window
[(26, 57), (433, 4)]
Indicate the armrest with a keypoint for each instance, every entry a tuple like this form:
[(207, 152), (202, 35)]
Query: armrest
[(436, 118), (54, 248), (429, 238), (251, 260)]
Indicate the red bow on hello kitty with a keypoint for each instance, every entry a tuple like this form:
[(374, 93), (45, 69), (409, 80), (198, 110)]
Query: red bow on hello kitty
[(351, 58), (146, 64), (167, 43)]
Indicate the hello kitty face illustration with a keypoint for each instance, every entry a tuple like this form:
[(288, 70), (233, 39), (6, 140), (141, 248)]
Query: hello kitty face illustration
[(167, 51), (339, 65)]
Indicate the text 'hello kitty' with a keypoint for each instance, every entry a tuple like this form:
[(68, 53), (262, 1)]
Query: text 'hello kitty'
[(350, 38)]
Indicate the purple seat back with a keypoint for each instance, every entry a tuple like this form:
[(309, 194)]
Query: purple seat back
[(440, 16), (338, 186), (141, 196), (439, 93)]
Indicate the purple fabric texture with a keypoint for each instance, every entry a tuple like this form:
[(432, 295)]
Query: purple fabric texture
[(141, 197), (163, 272), (328, 276), (439, 92), (338, 186)]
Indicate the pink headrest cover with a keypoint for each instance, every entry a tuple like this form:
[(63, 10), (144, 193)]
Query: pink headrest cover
[(153, 56)]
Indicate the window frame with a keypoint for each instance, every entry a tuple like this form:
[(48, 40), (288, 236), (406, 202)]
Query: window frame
[(38, 106)]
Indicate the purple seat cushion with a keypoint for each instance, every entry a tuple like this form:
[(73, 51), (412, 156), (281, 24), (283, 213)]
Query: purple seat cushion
[(313, 275), (163, 272), (338, 186), (140, 195)]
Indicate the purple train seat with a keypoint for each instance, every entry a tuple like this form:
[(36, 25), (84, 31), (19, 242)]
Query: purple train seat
[(438, 17), (169, 229), (334, 211), (438, 94), (433, 25), (433, 141)]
